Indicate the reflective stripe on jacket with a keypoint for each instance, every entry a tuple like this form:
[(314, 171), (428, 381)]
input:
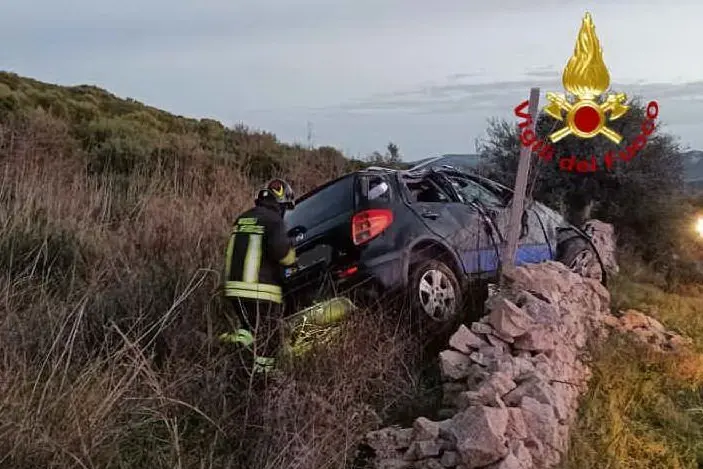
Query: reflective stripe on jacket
[(257, 248)]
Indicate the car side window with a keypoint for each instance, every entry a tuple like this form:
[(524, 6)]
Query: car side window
[(425, 190), (469, 191)]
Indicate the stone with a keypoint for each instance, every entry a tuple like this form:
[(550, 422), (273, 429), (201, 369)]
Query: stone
[(423, 449), (542, 432), (478, 357), (517, 276), (481, 328), (480, 435), (477, 375), (510, 462), (464, 340), (599, 289), (633, 319), (449, 459), (603, 237), (521, 453), (425, 429), (537, 339), (516, 429), (509, 320), (498, 343), (428, 464), (539, 310), (393, 464), (475, 398), (612, 321), (521, 367), (533, 387), (678, 342), (454, 365), (445, 430), (387, 441)]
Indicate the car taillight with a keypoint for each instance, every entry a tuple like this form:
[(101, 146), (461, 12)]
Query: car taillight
[(370, 223)]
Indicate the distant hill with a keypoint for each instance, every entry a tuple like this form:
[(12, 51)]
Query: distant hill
[(457, 160), (693, 164)]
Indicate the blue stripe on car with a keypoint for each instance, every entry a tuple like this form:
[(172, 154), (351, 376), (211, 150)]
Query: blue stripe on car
[(486, 260)]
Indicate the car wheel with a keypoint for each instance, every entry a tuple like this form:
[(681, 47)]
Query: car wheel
[(436, 295), (578, 255)]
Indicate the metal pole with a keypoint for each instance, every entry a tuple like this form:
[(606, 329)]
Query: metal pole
[(517, 205)]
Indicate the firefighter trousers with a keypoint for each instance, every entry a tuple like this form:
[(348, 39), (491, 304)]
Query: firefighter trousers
[(263, 319)]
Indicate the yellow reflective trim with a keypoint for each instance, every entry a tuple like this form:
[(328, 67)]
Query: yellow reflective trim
[(228, 256), (265, 361), (264, 365), (246, 221), (252, 261), (289, 258), (262, 287), (253, 295), (251, 229), (241, 336)]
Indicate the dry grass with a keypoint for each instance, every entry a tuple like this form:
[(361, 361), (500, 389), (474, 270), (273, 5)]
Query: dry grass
[(644, 409), (108, 314)]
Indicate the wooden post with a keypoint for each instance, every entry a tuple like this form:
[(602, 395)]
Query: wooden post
[(517, 205)]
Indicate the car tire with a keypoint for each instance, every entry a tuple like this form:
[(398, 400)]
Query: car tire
[(578, 255), (436, 297)]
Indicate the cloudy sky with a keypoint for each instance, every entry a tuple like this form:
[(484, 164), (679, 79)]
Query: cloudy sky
[(424, 74)]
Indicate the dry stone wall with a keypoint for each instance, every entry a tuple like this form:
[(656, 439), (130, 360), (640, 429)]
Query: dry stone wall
[(605, 241), (512, 380)]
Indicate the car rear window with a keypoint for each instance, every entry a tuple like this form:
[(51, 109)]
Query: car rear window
[(322, 204)]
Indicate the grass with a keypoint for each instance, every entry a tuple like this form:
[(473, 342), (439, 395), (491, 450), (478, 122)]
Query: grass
[(109, 309), (644, 409)]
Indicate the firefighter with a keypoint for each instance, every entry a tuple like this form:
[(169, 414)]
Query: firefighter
[(258, 251)]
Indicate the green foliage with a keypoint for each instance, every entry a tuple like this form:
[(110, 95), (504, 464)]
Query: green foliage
[(391, 159), (640, 197), (123, 136)]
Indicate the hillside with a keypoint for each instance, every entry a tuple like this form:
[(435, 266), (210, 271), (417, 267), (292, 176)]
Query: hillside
[(114, 219), (121, 136)]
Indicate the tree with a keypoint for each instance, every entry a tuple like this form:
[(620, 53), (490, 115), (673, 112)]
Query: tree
[(393, 153), (641, 197), (391, 158)]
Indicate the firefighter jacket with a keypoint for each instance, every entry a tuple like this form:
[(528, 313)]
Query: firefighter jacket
[(258, 248)]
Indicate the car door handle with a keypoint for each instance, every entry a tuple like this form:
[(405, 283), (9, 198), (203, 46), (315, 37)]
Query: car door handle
[(431, 215)]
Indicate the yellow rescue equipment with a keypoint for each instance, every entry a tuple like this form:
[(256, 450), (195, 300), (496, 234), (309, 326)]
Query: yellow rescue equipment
[(317, 324)]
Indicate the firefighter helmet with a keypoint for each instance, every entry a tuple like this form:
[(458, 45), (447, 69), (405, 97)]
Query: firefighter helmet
[(280, 191)]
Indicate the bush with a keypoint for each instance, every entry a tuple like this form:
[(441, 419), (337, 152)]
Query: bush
[(642, 197)]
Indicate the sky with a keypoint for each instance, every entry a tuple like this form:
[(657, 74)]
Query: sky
[(356, 74)]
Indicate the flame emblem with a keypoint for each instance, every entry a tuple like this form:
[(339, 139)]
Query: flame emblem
[(586, 79)]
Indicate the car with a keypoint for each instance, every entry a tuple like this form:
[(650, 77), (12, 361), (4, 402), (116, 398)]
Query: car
[(428, 233)]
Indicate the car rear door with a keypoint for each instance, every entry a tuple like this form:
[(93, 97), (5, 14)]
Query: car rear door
[(320, 229), (445, 216)]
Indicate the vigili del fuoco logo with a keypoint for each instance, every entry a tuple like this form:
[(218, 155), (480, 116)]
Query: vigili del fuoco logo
[(586, 109)]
